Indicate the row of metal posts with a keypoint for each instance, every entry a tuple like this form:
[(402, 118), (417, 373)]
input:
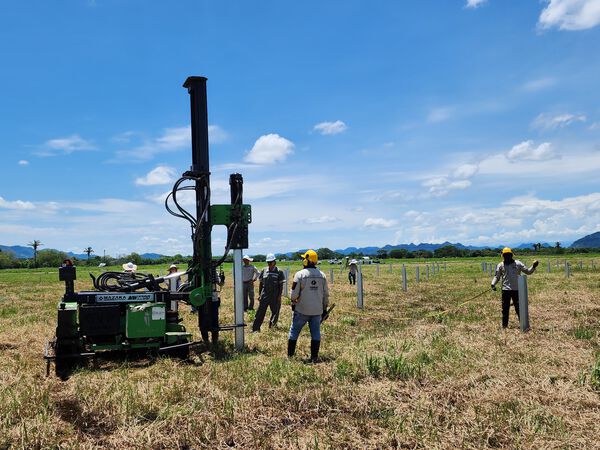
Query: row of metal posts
[(567, 267)]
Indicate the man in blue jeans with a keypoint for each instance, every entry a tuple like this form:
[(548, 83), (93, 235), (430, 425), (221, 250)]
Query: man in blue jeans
[(310, 297)]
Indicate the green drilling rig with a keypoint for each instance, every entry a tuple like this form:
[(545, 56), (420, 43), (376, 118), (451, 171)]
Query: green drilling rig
[(131, 311)]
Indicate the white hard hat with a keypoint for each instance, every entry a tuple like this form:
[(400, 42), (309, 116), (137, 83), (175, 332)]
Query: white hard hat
[(248, 258), (172, 266), (270, 257), (129, 266), (353, 261)]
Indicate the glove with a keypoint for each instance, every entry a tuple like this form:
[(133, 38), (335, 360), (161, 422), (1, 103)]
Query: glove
[(493, 287), (535, 263)]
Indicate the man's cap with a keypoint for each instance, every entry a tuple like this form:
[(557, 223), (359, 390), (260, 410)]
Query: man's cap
[(271, 257), (248, 258), (172, 266), (506, 250)]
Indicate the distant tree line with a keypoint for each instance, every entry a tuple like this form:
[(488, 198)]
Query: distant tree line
[(54, 258)]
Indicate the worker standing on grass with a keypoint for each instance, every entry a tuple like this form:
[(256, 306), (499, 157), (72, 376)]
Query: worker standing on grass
[(270, 289), (352, 272), (249, 276), (310, 297), (509, 270)]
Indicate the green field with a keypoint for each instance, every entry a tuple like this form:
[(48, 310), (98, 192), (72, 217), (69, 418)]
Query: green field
[(416, 369)]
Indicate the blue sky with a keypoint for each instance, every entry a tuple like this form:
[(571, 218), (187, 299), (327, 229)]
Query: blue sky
[(354, 123)]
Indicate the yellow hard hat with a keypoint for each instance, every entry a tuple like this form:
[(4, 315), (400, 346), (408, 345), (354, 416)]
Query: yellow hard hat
[(310, 256), (506, 250)]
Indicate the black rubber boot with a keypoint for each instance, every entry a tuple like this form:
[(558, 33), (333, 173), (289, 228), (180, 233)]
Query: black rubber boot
[(314, 351), (291, 347)]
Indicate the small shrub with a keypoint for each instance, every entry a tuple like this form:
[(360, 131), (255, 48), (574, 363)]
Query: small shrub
[(374, 366), (595, 376), (400, 368), (582, 332), (349, 320)]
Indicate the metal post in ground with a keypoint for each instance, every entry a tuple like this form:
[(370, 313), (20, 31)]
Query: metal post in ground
[(331, 276), (484, 267), (567, 269), (523, 303), (238, 302), (548, 270), (390, 268), (417, 272), (580, 265), (427, 272), (404, 280), (377, 269), (444, 266), (359, 288), (286, 292)]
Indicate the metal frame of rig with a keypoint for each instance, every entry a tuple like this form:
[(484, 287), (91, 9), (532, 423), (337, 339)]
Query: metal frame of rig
[(129, 311)]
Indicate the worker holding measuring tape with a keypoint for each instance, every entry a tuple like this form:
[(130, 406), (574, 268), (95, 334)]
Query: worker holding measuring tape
[(509, 270)]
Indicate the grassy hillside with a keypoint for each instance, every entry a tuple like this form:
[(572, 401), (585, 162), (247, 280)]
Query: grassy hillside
[(421, 369)]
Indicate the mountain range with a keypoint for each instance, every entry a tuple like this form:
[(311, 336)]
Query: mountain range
[(589, 241)]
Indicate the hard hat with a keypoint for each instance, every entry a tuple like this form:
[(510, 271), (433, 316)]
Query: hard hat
[(172, 266), (270, 257), (310, 256), (248, 258), (353, 261), (506, 250), (130, 267)]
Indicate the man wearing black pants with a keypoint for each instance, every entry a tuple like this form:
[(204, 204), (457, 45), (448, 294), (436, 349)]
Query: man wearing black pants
[(509, 270), (269, 292)]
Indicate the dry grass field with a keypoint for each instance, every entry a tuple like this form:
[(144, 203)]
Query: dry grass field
[(420, 369)]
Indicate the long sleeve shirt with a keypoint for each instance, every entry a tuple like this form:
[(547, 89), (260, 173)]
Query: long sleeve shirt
[(249, 273), (509, 273), (310, 291), (271, 284)]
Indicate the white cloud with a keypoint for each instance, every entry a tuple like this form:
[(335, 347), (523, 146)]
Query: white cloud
[(216, 134), (329, 128), (439, 186), (170, 140), (570, 14), (465, 171), (23, 162), (546, 121), (158, 175), (527, 151), (378, 222), (322, 219), (66, 145), (539, 84), (475, 3), (16, 204), (437, 115), (595, 126), (270, 149)]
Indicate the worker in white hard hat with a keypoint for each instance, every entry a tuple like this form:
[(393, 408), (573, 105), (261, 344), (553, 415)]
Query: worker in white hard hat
[(310, 297), (270, 289), (249, 276), (509, 270), (352, 271)]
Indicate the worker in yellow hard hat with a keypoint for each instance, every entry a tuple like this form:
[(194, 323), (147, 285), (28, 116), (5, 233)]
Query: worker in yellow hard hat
[(310, 297), (509, 270)]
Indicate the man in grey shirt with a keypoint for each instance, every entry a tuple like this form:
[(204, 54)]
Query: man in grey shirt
[(310, 297), (249, 276), (509, 270)]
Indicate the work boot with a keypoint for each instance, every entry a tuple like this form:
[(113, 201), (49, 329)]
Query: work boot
[(291, 347), (314, 351)]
